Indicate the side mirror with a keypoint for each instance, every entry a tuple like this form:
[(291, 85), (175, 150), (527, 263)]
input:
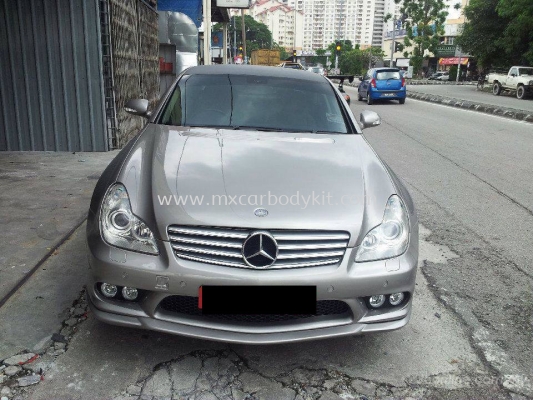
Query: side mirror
[(369, 119), (138, 107), (361, 78), (513, 75)]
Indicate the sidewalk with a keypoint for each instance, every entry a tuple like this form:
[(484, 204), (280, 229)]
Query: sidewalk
[(43, 205), (44, 198)]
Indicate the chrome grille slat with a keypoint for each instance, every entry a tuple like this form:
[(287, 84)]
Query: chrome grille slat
[(278, 235), (283, 256), (223, 246), (206, 251), (229, 233), (205, 242), (311, 246)]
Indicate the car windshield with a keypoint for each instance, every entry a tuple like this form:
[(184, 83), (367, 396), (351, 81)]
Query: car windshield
[(255, 102), (525, 71), (388, 74)]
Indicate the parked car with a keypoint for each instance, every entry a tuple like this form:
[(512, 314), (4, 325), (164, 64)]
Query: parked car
[(239, 263), (382, 83), (444, 77), (437, 75), (518, 79), (316, 70), (292, 65)]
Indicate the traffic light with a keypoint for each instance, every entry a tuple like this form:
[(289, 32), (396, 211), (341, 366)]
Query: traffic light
[(294, 53), (338, 48), (397, 47), (240, 49)]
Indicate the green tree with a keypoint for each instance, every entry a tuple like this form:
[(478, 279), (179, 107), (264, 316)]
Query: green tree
[(517, 40), (499, 33), (453, 73), (482, 32), (356, 61), (424, 22), (258, 36)]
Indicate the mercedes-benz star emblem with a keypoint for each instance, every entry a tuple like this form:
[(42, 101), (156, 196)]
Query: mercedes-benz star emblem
[(260, 250), (261, 212)]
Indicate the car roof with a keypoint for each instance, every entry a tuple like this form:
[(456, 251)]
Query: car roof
[(253, 70)]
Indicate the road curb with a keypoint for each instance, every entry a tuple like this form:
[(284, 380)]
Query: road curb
[(520, 115)]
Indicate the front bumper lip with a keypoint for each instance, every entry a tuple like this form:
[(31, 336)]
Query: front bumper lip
[(253, 336)]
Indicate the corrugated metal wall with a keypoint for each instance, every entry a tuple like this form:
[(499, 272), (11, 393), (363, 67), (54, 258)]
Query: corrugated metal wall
[(51, 90)]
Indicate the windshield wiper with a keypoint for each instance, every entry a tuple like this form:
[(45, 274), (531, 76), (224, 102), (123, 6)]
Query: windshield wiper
[(257, 128)]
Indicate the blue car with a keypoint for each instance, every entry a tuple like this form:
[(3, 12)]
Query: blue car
[(381, 84)]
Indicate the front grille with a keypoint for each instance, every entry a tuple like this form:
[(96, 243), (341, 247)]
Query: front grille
[(223, 246), (188, 305)]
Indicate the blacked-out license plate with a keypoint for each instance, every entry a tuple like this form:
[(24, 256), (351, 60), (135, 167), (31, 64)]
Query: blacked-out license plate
[(290, 300)]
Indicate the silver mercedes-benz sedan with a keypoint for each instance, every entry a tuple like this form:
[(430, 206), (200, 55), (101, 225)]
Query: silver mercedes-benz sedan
[(251, 209)]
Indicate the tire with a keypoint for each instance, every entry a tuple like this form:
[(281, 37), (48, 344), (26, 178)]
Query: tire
[(496, 89), (359, 97), (369, 99), (402, 101), (521, 92)]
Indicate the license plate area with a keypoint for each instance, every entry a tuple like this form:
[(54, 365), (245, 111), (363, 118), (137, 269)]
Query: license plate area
[(257, 300)]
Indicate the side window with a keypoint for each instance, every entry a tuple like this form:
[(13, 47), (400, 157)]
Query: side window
[(514, 71), (173, 112)]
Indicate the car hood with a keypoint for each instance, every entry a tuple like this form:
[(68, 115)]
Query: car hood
[(209, 177)]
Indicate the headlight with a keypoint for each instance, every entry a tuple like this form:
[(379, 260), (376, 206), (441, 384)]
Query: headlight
[(390, 238), (120, 227)]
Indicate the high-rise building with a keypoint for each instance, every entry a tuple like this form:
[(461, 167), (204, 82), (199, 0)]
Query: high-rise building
[(326, 21), (315, 24), (285, 22)]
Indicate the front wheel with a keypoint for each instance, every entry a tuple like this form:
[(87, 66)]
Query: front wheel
[(496, 89), (369, 99), (402, 101), (520, 92), (359, 97)]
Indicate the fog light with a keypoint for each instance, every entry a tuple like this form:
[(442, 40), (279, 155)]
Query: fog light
[(396, 298), (108, 290), (376, 301), (129, 293)]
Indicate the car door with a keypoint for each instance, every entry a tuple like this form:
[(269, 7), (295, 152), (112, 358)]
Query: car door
[(512, 80)]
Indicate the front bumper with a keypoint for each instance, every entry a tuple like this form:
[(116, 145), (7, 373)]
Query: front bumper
[(349, 282)]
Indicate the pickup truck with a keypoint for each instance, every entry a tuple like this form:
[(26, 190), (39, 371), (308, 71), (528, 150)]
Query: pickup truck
[(519, 79)]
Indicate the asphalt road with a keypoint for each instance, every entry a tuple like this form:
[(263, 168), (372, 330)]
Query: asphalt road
[(470, 92), (470, 335)]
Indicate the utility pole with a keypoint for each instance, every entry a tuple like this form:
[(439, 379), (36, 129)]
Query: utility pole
[(234, 40), (458, 66), (244, 37), (393, 44)]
